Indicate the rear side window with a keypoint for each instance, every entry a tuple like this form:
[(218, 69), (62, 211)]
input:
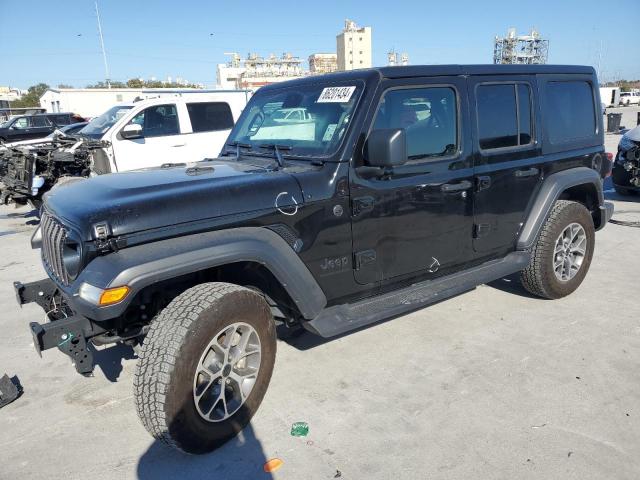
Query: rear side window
[(60, 119), (210, 116), (571, 111), (40, 122), (504, 115)]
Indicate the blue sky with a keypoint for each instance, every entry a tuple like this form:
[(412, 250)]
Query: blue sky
[(57, 42)]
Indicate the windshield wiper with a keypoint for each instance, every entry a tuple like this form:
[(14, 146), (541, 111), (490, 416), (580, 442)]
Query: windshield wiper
[(238, 146), (276, 150)]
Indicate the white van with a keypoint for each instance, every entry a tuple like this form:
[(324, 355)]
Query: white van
[(186, 127)]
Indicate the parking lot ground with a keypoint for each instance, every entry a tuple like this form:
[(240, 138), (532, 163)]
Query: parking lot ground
[(492, 384)]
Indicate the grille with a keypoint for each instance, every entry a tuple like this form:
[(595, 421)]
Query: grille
[(53, 238)]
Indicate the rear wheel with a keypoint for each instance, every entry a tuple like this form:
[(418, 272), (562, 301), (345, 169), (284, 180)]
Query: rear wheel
[(205, 366), (562, 254)]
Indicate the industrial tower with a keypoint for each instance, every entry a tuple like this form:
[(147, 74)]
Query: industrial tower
[(528, 49)]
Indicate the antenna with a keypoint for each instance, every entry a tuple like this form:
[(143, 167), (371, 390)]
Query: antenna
[(104, 53)]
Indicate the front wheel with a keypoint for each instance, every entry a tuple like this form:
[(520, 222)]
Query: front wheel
[(205, 366), (562, 254)]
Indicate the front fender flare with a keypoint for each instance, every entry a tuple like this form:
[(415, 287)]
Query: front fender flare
[(143, 265)]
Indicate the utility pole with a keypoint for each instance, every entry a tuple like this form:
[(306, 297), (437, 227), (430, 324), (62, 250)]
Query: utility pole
[(104, 53)]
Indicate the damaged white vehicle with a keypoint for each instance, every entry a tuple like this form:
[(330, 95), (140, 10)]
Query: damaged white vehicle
[(182, 128)]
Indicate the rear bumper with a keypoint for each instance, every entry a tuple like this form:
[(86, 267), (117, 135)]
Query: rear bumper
[(67, 331)]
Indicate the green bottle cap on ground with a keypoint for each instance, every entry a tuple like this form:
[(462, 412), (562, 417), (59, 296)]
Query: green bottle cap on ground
[(300, 429)]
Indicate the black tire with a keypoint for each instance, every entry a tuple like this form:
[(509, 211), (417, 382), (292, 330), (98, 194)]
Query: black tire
[(539, 277), (622, 190), (164, 377)]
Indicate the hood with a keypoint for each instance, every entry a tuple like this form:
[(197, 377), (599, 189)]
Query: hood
[(146, 199)]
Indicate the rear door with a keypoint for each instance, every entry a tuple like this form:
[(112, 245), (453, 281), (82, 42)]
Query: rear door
[(416, 220), (507, 161), (161, 141), (41, 126), (211, 123)]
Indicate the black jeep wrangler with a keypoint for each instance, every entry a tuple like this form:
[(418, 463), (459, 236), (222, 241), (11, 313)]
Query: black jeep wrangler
[(338, 201)]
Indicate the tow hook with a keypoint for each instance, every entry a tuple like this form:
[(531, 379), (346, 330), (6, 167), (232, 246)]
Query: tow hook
[(68, 335)]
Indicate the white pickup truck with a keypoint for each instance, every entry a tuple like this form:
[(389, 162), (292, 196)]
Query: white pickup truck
[(177, 128), (183, 128)]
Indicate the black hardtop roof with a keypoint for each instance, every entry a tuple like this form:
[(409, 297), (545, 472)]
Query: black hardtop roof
[(438, 70)]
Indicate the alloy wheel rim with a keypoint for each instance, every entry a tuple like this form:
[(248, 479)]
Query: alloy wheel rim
[(227, 372), (569, 252)]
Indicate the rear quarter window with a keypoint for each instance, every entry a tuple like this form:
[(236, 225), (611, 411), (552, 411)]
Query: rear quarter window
[(210, 116), (570, 112)]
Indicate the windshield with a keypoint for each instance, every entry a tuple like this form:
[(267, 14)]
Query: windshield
[(97, 127), (307, 120)]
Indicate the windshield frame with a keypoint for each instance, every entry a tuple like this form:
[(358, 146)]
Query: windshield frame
[(359, 93), (98, 136)]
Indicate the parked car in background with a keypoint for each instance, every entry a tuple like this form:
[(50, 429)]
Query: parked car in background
[(71, 129), (626, 167), (26, 127), (129, 136), (629, 98)]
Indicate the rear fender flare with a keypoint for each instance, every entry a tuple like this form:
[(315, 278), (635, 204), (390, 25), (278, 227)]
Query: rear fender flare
[(552, 187)]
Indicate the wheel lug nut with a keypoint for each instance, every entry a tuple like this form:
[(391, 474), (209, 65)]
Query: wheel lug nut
[(227, 381)]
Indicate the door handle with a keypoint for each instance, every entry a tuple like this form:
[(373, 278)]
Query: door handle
[(456, 187), (529, 172), (179, 145)]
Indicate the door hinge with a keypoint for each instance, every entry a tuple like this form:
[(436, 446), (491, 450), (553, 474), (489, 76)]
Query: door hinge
[(363, 258), (481, 230)]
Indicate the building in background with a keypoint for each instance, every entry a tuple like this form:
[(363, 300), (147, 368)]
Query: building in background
[(528, 49), (394, 58), (91, 102), (256, 71), (320, 63), (9, 94), (354, 47)]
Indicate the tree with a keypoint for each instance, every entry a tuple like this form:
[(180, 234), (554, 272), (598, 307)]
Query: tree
[(135, 83), (64, 85), (32, 98)]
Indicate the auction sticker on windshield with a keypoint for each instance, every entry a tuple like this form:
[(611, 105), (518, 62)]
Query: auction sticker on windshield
[(335, 94)]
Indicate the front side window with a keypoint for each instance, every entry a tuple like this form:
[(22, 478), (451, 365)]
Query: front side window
[(573, 111), (308, 120), (428, 116), (21, 123), (158, 121), (210, 116), (504, 115), (97, 127)]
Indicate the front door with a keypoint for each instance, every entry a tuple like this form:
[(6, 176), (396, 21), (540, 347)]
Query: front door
[(508, 163), (416, 220), (160, 143)]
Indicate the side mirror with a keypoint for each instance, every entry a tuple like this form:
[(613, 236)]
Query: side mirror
[(131, 131), (386, 148)]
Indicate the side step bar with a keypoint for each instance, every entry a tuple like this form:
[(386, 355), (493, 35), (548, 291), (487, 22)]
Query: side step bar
[(340, 319)]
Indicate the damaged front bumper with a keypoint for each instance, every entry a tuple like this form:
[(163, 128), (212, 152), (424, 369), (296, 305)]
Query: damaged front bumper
[(66, 330)]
